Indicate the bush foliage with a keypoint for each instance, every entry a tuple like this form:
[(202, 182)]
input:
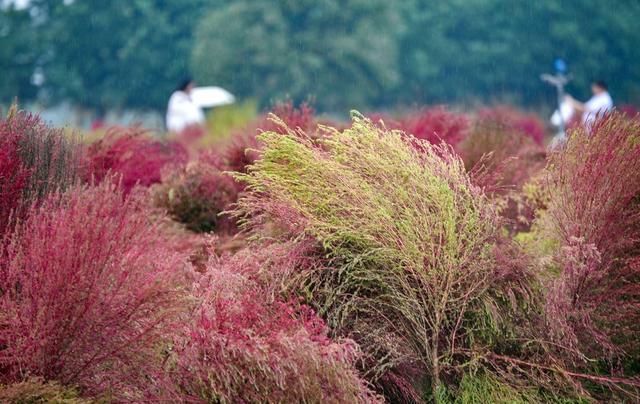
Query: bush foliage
[(196, 195), (435, 124), (89, 291), (38, 391), (593, 215), (35, 160), (407, 242), (244, 345), (132, 154), (360, 264)]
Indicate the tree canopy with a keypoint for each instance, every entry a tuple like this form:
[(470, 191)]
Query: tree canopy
[(104, 54), (344, 54), (341, 56), (19, 53)]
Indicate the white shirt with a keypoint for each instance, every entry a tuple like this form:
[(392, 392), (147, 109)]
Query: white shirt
[(598, 104), (182, 112), (563, 114)]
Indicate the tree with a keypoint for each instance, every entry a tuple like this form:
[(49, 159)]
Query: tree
[(342, 55), (116, 54), (19, 53), (459, 49), (345, 53)]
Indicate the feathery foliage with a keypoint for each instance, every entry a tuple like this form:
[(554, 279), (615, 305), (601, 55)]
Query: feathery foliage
[(133, 155), (195, 195), (88, 292), (407, 246), (593, 215), (35, 160), (244, 345), (36, 390)]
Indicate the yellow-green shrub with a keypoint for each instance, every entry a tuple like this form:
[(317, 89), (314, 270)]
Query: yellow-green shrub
[(407, 248)]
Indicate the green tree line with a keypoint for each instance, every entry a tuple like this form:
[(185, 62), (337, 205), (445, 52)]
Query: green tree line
[(343, 54)]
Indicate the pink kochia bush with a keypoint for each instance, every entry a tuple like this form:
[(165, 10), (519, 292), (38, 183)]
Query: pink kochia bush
[(135, 156), (594, 218), (507, 155), (88, 294), (629, 110), (519, 121), (36, 390), (434, 124), (246, 346), (502, 159), (34, 161), (196, 195), (13, 175)]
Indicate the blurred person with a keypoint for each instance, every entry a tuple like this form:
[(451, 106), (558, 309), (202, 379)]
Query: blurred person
[(182, 112), (560, 119), (599, 103), (563, 114)]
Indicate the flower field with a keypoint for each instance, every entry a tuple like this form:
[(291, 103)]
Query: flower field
[(430, 255)]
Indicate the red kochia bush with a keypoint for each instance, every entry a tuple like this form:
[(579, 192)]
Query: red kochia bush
[(502, 160), (134, 155), (435, 124), (528, 124), (594, 215), (34, 160), (13, 176), (196, 195), (246, 347), (88, 291), (302, 117), (629, 110), (242, 151), (506, 157)]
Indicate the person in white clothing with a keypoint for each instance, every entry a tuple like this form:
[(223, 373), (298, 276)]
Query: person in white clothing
[(600, 103), (182, 112)]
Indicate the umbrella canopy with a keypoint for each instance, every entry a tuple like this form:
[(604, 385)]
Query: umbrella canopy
[(207, 97)]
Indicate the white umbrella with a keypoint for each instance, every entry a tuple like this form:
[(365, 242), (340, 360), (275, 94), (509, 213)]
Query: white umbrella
[(207, 97)]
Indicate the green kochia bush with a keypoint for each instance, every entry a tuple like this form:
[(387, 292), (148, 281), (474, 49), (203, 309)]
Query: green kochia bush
[(406, 250), (35, 390)]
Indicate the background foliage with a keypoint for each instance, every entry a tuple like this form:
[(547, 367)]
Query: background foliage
[(349, 54)]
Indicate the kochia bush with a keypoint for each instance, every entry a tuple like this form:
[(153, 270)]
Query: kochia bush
[(593, 217), (34, 161), (35, 390), (506, 157), (242, 150), (434, 124), (405, 248), (88, 293), (246, 346), (502, 160), (134, 156), (516, 120), (196, 195)]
